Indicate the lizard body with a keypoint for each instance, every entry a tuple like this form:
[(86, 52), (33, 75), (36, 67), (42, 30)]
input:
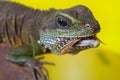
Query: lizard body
[(34, 32)]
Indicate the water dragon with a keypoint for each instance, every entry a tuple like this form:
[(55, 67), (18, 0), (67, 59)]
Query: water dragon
[(35, 32)]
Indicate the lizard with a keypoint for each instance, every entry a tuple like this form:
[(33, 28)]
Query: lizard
[(35, 32)]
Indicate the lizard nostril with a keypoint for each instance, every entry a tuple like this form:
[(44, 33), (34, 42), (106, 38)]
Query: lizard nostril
[(87, 25)]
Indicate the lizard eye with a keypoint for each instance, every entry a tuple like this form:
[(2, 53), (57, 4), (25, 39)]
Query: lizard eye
[(61, 22)]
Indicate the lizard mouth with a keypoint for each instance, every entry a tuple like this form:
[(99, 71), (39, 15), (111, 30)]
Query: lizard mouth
[(80, 43)]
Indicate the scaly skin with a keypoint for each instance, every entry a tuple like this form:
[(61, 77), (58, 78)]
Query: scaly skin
[(35, 32)]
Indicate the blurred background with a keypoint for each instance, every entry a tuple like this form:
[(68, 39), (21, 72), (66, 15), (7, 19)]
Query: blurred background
[(102, 63)]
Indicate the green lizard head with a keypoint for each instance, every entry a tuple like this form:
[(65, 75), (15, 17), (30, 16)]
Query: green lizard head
[(70, 30)]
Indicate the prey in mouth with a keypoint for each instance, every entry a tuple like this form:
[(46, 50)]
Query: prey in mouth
[(70, 31), (82, 43)]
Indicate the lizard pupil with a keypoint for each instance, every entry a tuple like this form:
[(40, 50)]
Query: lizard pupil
[(61, 22)]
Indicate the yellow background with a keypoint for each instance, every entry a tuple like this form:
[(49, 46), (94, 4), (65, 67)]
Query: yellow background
[(101, 63)]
